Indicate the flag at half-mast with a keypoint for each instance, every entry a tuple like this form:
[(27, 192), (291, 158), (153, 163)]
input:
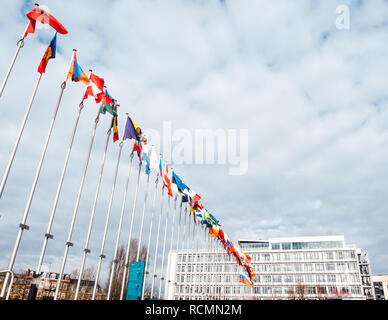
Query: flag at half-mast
[(76, 73), (38, 14), (49, 54)]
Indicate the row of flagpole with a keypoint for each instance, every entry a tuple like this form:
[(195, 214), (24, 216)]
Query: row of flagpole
[(190, 238)]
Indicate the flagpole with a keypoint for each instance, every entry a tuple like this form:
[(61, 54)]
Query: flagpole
[(86, 249), (142, 218), (149, 237), (119, 227), (11, 158), (102, 256), (184, 231), (154, 275), (23, 225), (164, 250), (47, 235), (59, 189), (127, 256), (179, 224), (68, 242), (20, 44), (173, 223), (172, 232)]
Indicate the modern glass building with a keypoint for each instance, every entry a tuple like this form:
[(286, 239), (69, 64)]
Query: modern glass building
[(286, 268)]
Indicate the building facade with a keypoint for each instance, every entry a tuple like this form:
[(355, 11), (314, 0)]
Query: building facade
[(286, 268), (380, 285), (46, 284)]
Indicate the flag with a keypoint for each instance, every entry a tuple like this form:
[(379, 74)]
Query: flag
[(110, 98), (179, 183), (244, 279), (96, 86), (213, 231), (246, 258), (37, 14), (167, 181), (106, 107), (137, 147), (145, 157), (114, 129), (130, 130), (194, 215), (49, 54), (99, 82), (76, 73)]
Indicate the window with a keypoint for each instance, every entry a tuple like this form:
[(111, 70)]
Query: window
[(256, 290), (288, 278), (339, 255), (267, 290), (265, 257), (329, 256), (330, 267), (331, 278), (319, 267), (308, 267), (275, 246), (309, 278), (298, 267), (341, 266), (320, 278), (277, 279), (286, 246)]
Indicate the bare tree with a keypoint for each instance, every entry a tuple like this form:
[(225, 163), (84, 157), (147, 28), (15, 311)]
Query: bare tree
[(300, 290), (118, 272)]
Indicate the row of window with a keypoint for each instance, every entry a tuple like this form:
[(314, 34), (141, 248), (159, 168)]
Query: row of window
[(272, 268), (307, 245), (272, 257), (257, 290), (276, 279)]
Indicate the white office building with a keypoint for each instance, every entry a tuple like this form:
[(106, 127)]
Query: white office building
[(286, 268)]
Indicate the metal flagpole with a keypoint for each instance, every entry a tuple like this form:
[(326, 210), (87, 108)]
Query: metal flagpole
[(23, 225), (179, 224), (47, 234), (157, 243), (184, 231), (102, 256), (172, 232), (119, 230), (11, 158), (149, 237), (20, 44), (173, 223), (68, 242), (86, 249), (188, 233), (127, 256), (164, 250), (142, 218)]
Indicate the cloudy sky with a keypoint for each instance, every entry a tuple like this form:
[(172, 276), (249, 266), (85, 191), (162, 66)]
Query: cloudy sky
[(313, 98)]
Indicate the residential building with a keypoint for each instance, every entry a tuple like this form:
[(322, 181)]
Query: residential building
[(46, 284), (286, 268)]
